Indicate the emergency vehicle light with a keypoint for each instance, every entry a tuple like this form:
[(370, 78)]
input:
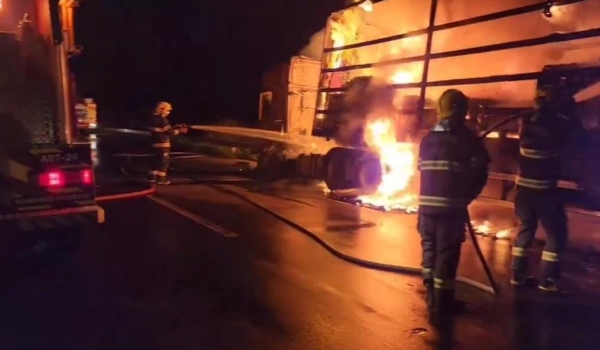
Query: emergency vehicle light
[(52, 179), (57, 178), (87, 177)]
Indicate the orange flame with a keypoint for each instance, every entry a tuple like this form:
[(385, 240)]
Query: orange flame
[(398, 164), (398, 159)]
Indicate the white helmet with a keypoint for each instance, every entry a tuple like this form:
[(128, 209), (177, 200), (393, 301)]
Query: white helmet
[(163, 107)]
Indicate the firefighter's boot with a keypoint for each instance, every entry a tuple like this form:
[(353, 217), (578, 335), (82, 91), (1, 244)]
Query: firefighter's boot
[(550, 272), (162, 179), (549, 285), (447, 304), (522, 279), (519, 278), (520, 266)]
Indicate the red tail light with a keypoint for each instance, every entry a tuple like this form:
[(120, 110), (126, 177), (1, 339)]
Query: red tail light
[(87, 177), (52, 179), (57, 178)]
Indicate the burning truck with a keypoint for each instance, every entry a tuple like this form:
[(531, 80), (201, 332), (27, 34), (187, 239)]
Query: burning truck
[(385, 63)]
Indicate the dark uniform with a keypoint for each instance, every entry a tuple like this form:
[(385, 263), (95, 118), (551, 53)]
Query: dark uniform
[(453, 165), (161, 131), (542, 136)]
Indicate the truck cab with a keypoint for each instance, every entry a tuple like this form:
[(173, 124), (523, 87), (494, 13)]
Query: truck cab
[(46, 180), (289, 96)]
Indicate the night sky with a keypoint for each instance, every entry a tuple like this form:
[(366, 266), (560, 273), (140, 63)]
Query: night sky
[(204, 56)]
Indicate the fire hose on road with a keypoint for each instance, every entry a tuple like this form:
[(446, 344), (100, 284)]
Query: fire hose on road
[(399, 269), (471, 231), (346, 257), (469, 226), (477, 248)]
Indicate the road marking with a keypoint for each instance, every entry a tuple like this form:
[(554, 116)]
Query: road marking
[(197, 219)]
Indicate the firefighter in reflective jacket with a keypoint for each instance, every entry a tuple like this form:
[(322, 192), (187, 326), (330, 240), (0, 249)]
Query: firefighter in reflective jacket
[(542, 136), (161, 131), (453, 164)]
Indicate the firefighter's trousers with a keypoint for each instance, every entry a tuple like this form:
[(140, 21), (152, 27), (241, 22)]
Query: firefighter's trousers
[(160, 164), (442, 236), (546, 207)]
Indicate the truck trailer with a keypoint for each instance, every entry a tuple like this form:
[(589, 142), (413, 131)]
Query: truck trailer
[(46, 179), (289, 96), (392, 59)]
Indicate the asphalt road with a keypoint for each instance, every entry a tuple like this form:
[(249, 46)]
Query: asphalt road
[(202, 270), (194, 268)]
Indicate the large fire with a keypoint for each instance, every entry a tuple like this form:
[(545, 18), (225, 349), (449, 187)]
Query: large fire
[(397, 158), (405, 76), (398, 165)]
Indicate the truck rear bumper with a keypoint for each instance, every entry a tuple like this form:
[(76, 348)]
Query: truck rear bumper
[(54, 219)]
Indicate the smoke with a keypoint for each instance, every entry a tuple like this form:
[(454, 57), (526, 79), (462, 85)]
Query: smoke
[(314, 48), (366, 97)]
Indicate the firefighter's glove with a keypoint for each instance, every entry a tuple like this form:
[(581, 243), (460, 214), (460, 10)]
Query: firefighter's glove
[(182, 128)]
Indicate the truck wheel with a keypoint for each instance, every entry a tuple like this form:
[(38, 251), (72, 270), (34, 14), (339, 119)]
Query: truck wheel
[(337, 172), (351, 168), (368, 174)]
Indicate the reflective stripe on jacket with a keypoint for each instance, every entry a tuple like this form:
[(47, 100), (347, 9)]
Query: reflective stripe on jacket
[(541, 138), (453, 166), (161, 131)]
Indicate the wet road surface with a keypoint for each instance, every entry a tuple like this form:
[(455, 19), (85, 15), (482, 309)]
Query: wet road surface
[(153, 279), (197, 269), (157, 277)]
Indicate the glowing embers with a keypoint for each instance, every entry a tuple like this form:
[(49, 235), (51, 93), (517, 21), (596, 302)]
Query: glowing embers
[(488, 229)]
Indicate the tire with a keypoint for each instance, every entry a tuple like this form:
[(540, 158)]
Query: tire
[(350, 168), (336, 173), (368, 174)]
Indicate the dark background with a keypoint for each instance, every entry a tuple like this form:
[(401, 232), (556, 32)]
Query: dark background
[(204, 56)]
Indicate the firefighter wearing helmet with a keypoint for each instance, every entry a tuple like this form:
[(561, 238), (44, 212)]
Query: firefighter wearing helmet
[(542, 136), (161, 131), (453, 165)]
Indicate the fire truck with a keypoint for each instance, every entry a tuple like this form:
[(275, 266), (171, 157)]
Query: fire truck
[(47, 179), (400, 55)]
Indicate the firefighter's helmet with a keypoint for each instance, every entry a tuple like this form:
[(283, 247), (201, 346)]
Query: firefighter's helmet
[(554, 96), (544, 94), (553, 101), (163, 107), (453, 104)]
